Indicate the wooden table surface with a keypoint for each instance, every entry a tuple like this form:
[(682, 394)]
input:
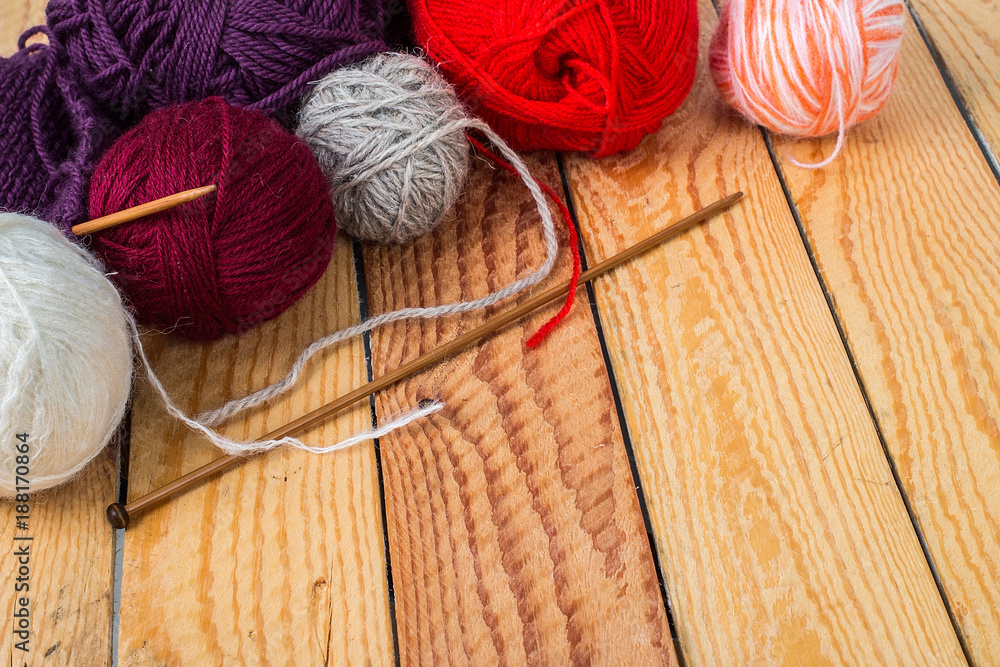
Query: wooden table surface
[(774, 440)]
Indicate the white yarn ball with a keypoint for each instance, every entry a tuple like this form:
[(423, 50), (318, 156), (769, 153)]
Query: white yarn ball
[(65, 355), (389, 133)]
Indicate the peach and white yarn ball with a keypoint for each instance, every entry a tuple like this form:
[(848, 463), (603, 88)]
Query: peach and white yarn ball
[(807, 68)]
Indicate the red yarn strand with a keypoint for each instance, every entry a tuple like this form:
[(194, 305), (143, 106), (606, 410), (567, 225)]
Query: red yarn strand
[(574, 249)]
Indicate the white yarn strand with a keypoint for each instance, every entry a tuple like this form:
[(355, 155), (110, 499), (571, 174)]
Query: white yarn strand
[(395, 423), (852, 61), (232, 408), (237, 448)]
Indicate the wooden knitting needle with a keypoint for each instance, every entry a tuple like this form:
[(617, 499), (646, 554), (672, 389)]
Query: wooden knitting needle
[(141, 211), (120, 515)]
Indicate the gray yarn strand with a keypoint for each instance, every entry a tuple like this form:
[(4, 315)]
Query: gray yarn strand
[(234, 407)]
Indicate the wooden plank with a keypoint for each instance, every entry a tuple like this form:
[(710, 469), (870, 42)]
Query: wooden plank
[(966, 36), (71, 578), (282, 559), (16, 16), (905, 230), (782, 535), (514, 526), (70, 574)]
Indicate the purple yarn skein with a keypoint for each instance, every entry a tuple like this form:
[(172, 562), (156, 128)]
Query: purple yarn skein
[(49, 135), (140, 55)]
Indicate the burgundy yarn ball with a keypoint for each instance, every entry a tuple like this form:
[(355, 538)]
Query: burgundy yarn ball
[(569, 75), (228, 261), (137, 55)]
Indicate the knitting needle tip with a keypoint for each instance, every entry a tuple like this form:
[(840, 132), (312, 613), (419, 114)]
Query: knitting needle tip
[(141, 211)]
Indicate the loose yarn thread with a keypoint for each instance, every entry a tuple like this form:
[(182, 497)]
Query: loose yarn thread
[(237, 448), (65, 355), (582, 75), (572, 242), (517, 166), (810, 68), (389, 133)]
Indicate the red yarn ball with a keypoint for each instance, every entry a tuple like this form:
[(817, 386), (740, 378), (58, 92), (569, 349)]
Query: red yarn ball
[(228, 261), (572, 75)]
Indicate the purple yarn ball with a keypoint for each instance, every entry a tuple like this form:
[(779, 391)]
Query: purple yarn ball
[(140, 55), (49, 135)]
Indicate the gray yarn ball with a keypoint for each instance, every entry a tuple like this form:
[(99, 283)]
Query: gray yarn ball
[(389, 134)]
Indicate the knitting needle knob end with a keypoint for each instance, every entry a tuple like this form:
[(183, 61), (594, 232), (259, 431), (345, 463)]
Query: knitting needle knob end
[(118, 516)]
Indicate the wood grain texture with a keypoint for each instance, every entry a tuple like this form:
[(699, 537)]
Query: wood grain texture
[(71, 578), (906, 231), (281, 560), (72, 550), (967, 35), (514, 526), (782, 535), (16, 16)]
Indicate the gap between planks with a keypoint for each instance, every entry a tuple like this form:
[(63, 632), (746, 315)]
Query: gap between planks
[(361, 280), (620, 410), (956, 94)]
